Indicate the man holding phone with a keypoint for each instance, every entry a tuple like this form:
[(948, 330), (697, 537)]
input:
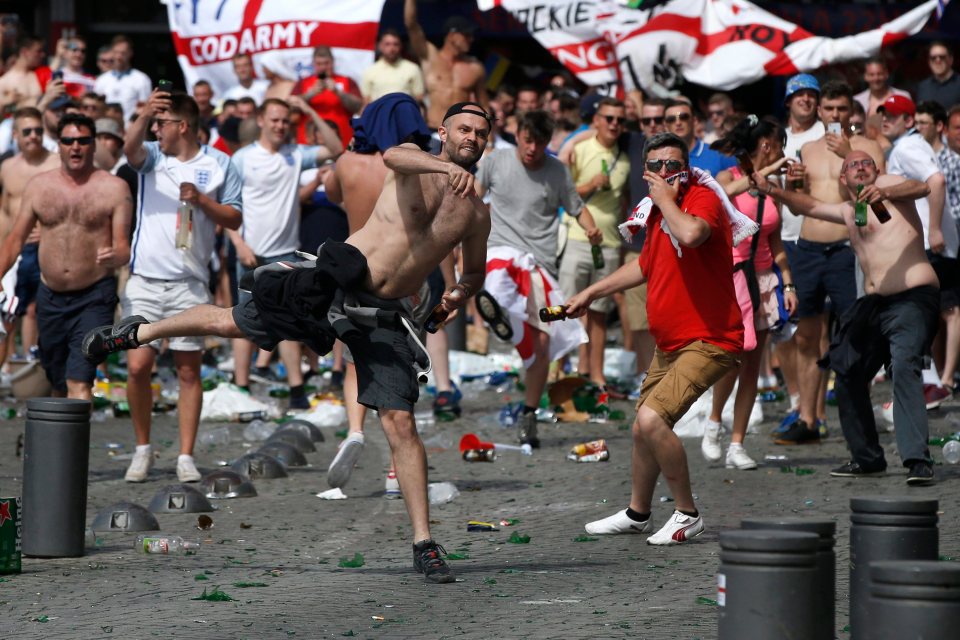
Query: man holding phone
[(333, 97), (168, 274), (823, 263)]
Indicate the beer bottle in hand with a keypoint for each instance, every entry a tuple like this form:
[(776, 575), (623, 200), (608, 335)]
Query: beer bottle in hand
[(597, 253), (860, 209), (550, 314), (435, 320), (880, 210)]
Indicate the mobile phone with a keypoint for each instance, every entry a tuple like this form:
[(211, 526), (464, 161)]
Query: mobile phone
[(834, 128), (165, 85), (57, 75), (322, 75)]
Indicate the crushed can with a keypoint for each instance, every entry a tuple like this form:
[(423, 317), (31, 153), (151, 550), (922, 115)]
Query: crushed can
[(476, 525), (594, 451), (11, 534), (479, 455)]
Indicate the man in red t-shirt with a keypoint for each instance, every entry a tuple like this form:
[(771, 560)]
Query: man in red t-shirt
[(333, 97), (696, 322)]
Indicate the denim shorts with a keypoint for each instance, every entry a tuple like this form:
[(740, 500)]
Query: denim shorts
[(822, 270)]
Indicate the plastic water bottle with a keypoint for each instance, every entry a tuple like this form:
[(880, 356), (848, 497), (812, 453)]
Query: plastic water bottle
[(259, 430), (218, 436), (951, 452), (165, 545), (508, 415), (184, 236)]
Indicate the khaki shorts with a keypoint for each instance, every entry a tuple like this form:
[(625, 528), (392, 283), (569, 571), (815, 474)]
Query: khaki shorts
[(577, 271), (158, 299), (636, 300), (676, 379)]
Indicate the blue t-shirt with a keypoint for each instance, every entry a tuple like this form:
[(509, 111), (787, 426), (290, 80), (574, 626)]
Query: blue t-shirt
[(703, 157)]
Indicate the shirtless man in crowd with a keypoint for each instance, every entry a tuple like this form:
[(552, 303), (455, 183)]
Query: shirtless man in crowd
[(451, 75), (15, 173), (84, 219), (895, 321), (823, 262), (428, 206)]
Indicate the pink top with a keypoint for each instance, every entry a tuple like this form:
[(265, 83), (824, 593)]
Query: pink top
[(747, 204)]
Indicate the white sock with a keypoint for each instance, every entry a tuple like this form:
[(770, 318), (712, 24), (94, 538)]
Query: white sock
[(794, 401), (143, 448), (930, 375), (183, 457), (355, 435), (735, 445)]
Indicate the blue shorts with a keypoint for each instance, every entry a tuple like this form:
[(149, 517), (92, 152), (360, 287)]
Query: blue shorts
[(63, 318), (820, 270), (28, 276)]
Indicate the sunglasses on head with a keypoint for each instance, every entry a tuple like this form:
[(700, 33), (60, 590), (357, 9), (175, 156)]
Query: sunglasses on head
[(26, 131), (614, 119), (654, 120), (672, 165), (83, 141), (682, 117)]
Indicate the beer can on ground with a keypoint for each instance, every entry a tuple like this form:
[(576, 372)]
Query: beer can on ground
[(11, 531)]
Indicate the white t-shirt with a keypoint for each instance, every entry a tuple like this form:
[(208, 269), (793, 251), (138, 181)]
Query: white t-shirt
[(257, 91), (153, 252), (913, 157), (271, 220), (127, 89), (789, 223)]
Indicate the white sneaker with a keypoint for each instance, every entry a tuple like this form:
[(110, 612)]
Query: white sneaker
[(391, 489), (710, 446), (347, 455), (187, 470), (619, 522), (679, 528), (737, 458), (140, 465)]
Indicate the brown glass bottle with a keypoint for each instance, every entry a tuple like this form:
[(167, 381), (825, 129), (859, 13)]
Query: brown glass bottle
[(435, 320), (550, 314)]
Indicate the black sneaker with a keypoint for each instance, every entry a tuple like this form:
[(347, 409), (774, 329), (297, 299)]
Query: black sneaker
[(920, 474), (798, 433), (854, 470), (527, 430), (111, 338), (428, 560), (490, 311)]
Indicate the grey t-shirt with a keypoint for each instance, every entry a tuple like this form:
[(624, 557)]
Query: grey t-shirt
[(524, 204)]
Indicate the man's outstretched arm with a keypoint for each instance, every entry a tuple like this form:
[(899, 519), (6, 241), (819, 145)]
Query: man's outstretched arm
[(801, 202), (626, 277), (407, 160)]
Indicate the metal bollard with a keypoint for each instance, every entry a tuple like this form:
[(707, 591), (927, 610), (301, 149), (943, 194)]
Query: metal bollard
[(826, 563), (767, 585), (55, 459), (913, 599), (886, 528)]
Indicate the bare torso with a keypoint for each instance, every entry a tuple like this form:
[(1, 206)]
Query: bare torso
[(15, 174), (823, 173), (891, 255), (448, 82), (20, 87), (75, 221), (416, 223), (358, 182)]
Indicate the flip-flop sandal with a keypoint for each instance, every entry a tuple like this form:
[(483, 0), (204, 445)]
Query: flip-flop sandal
[(493, 315)]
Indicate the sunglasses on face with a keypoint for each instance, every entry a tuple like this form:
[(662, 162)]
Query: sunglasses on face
[(672, 165), (938, 58), (83, 141), (718, 114), (614, 119), (682, 117), (26, 131), (649, 121)]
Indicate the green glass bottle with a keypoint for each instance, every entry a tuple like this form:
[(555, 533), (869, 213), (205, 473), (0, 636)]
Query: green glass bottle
[(597, 252), (860, 209)]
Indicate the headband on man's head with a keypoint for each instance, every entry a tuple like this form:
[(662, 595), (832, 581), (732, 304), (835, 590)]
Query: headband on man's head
[(467, 107)]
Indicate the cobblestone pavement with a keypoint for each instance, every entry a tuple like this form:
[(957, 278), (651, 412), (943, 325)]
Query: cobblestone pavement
[(289, 543)]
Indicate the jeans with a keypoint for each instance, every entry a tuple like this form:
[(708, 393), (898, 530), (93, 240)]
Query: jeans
[(907, 323)]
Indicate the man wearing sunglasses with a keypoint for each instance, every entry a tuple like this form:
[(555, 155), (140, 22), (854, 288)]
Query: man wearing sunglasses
[(893, 323), (943, 85), (678, 118), (34, 158), (694, 316), (84, 220), (600, 169)]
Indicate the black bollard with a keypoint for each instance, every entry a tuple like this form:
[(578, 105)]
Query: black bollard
[(767, 585), (886, 528), (826, 563), (913, 599), (55, 459)]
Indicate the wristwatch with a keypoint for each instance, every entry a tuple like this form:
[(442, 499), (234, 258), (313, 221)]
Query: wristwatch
[(789, 287)]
